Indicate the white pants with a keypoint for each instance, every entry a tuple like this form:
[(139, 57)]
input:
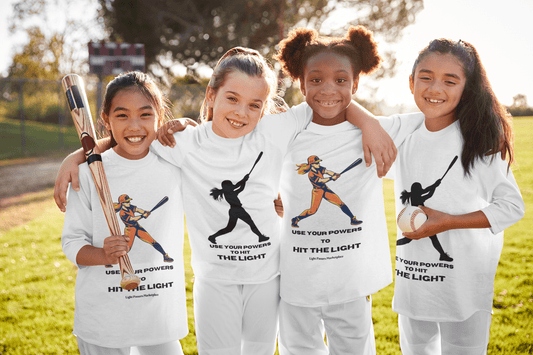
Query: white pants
[(172, 348), (348, 328), (469, 337), (236, 319)]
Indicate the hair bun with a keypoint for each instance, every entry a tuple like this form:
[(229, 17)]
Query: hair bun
[(362, 39), (290, 54)]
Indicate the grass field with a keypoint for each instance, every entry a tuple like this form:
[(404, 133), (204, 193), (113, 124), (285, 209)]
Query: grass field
[(40, 139), (37, 281)]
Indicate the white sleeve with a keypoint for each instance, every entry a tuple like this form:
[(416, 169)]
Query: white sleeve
[(78, 225), (176, 155), (501, 191), (401, 126), (285, 126)]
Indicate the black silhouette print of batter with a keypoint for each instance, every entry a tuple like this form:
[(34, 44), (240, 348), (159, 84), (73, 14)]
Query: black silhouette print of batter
[(417, 197), (230, 193)]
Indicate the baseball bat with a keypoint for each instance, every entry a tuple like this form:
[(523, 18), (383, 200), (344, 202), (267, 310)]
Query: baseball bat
[(160, 203), (81, 114), (258, 158), (450, 166), (352, 165)]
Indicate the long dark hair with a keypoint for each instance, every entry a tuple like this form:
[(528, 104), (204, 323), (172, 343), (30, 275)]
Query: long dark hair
[(486, 126)]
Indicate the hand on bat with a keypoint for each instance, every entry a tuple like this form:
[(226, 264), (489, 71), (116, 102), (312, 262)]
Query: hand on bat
[(165, 133), (114, 247)]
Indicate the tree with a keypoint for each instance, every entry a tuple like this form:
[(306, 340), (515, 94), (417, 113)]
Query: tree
[(57, 33), (40, 57), (519, 101), (200, 31)]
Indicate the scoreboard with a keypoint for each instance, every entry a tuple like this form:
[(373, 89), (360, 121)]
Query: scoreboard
[(115, 58)]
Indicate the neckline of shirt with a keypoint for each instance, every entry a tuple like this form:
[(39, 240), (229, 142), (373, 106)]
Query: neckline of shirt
[(137, 163), (325, 130)]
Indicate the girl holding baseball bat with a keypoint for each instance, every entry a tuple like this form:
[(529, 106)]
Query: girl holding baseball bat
[(445, 304), (326, 281), (236, 290), (151, 318)]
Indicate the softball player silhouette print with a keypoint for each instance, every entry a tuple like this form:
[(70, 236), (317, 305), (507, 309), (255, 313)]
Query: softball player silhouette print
[(230, 193), (417, 197)]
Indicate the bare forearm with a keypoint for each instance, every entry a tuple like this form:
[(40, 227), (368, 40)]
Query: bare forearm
[(359, 116), (439, 222), (91, 256), (469, 221)]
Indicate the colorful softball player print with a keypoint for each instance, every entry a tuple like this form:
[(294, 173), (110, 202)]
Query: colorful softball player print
[(417, 196), (130, 215), (230, 192), (319, 176)]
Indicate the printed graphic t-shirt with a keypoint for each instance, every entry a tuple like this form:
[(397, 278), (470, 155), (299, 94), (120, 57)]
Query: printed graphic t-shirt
[(229, 188), (456, 281), (155, 312), (328, 257)]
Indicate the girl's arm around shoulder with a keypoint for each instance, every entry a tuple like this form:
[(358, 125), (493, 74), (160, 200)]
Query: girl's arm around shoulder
[(174, 141), (68, 173), (285, 126), (400, 126), (165, 133), (376, 141)]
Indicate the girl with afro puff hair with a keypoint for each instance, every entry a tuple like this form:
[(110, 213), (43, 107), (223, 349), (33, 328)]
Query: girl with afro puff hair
[(329, 265)]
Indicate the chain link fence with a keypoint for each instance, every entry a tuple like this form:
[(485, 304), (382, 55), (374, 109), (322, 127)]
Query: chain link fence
[(25, 102)]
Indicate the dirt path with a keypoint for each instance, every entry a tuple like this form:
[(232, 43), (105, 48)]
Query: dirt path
[(17, 179)]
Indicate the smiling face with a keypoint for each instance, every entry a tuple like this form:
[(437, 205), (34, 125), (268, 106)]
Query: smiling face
[(437, 86), (328, 85), (133, 122), (238, 104)]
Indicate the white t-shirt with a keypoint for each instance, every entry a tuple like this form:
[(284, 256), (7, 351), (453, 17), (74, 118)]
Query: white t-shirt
[(427, 286), (155, 312), (328, 258), (218, 198)]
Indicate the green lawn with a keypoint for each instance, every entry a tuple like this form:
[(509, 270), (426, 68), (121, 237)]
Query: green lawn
[(40, 139), (37, 281)]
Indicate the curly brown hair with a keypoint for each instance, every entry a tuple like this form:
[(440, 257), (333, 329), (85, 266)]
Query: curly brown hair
[(303, 43)]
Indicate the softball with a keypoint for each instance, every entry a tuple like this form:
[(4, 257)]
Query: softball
[(129, 282), (411, 218)]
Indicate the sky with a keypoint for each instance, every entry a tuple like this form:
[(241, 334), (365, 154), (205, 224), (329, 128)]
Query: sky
[(500, 31)]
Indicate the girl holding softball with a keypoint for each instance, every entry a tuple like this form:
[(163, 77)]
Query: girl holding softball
[(445, 303)]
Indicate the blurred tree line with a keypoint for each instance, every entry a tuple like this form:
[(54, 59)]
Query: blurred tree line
[(191, 34), (520, 107)]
